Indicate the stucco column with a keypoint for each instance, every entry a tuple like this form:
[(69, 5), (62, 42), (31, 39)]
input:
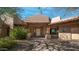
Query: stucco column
[(48, 30), (47, 35)]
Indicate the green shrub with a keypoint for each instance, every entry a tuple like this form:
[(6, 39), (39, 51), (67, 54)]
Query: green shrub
[(18, 33), (7, 43)]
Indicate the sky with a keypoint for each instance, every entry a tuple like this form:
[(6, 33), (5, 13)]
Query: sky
[(51, 12)]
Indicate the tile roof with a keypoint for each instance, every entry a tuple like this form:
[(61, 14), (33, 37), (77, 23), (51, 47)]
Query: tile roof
[(38, 19), (71, 19), (18, 21)]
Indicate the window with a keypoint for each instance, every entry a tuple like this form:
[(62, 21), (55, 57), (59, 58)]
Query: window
[(54, 31), (65, 29)]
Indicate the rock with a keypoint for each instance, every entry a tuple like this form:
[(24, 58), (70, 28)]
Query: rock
[(44, 50), (56, 49), (50, 48), (36, 44), (37, 48), (51, 44), (69, 49), (54, 45)]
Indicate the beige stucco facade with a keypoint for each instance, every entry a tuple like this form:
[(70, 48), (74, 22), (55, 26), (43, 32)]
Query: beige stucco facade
[(7, 22), (65, 36), (37, 25), (68, 29), (72, 35), (75, 33), (8, 19), (37, 29)]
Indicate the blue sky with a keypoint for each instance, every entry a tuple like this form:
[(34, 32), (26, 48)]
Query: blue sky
[(51, 12)]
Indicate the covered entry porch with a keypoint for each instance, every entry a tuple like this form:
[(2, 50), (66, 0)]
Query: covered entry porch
[(37, 29)]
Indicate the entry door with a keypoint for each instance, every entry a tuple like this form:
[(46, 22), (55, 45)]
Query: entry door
[(38, 32)]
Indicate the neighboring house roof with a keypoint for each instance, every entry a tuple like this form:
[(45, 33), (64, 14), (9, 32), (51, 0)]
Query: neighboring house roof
[(71, 19), (38, 19)]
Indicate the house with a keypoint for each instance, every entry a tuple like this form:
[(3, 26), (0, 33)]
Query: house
[(40, 25), (11, 21), (8, 22), (3, 29), (67, 29), (37, 25)]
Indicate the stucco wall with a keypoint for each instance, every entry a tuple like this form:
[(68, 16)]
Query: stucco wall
[(65, 36), (42, 26), (75, 33), (3, 31), (75, 36), (72, 35), (3, 28), (4, 22), (8, 20), (65, 33), (0, 31)]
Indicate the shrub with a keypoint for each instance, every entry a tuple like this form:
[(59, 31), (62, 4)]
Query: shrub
[(7, 43), (18, 33)]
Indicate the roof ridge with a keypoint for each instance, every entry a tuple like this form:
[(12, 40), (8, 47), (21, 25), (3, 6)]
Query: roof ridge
[(70, 18), (38, 18)]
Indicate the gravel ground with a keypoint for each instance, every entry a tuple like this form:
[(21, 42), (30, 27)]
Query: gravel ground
[(42, 44)]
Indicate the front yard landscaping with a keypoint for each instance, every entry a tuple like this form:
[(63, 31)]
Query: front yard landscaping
[(14, 39), (7, 43), (38, 44), (19, 41)]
